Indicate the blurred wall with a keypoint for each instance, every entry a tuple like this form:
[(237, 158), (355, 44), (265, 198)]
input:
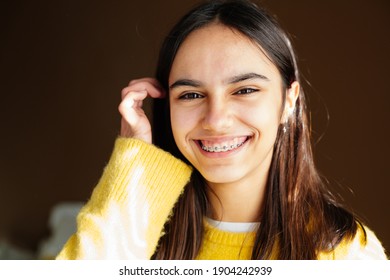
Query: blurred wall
[(64, 63)]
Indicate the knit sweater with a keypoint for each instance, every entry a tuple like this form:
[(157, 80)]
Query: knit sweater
[(128, 208)]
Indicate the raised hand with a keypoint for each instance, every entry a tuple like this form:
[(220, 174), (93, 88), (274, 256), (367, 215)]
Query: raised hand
[(135, 123)]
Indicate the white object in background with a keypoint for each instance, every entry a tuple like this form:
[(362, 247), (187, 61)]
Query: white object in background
[(62, 223)]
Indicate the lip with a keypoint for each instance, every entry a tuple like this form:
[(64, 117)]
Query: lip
[(221, 139)]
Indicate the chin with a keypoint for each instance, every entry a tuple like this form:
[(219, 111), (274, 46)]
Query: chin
[(220, 177)]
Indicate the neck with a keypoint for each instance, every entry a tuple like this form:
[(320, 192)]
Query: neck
[(240, 201)]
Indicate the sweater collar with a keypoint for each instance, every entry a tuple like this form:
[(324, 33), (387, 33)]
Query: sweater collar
[(217, 234)]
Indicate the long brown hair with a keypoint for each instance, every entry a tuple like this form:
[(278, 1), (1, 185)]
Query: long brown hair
[(300, 217)]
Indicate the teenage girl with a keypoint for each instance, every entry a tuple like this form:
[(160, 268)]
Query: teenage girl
[(228, 171)]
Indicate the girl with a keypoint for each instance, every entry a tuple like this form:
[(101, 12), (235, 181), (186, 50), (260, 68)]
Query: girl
[(234, 176)]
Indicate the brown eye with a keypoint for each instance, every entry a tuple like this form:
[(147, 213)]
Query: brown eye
[(190, 95), (245, 91)]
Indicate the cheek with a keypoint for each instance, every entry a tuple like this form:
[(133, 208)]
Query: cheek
[(263, 117), (182, 121), (175, 124)]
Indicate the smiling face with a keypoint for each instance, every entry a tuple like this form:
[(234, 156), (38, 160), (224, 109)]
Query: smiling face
[(226, 105)]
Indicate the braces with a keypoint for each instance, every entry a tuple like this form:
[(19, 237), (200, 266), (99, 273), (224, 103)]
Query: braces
[(218, 149)]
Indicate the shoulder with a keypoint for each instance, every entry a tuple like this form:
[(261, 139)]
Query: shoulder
[(363, 246)]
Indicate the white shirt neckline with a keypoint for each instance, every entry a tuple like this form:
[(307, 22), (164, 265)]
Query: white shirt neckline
[(232, 226)]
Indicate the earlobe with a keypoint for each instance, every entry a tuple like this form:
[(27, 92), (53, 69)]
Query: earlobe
[(291, 99)]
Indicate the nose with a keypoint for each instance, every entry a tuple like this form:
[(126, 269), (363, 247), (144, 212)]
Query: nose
[(217, 116)]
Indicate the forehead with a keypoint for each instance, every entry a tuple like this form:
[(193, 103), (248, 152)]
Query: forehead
[(217, 51)]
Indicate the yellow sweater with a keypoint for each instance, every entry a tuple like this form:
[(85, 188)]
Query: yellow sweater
[(125, 216)]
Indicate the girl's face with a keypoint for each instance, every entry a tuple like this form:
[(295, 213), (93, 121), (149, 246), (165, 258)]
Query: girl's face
[(225, 101)]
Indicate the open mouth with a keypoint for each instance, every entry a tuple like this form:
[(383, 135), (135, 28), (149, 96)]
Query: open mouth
[(222, 146)]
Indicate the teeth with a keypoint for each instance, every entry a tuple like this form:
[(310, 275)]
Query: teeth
[(223, 146)]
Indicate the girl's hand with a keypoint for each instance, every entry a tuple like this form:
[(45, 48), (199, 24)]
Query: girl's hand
[(134, 122)]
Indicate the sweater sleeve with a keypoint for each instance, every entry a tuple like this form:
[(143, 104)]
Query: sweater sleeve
[(364, 246), (128, 208), (369, 248)]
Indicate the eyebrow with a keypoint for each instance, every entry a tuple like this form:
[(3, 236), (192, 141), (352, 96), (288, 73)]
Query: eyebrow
[(246, 76), (231, 80), (185, 82)]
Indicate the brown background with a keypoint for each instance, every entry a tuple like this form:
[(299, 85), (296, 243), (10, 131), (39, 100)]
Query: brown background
[(63, 64)]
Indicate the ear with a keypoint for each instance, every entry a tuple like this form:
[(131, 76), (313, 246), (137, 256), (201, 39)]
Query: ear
[(291, 98)]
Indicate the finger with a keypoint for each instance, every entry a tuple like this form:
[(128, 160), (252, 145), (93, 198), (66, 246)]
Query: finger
[(144, 85), (130, 112), (152, 81), (132, 102), (135, 95), (132, 117), (153, 91)]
